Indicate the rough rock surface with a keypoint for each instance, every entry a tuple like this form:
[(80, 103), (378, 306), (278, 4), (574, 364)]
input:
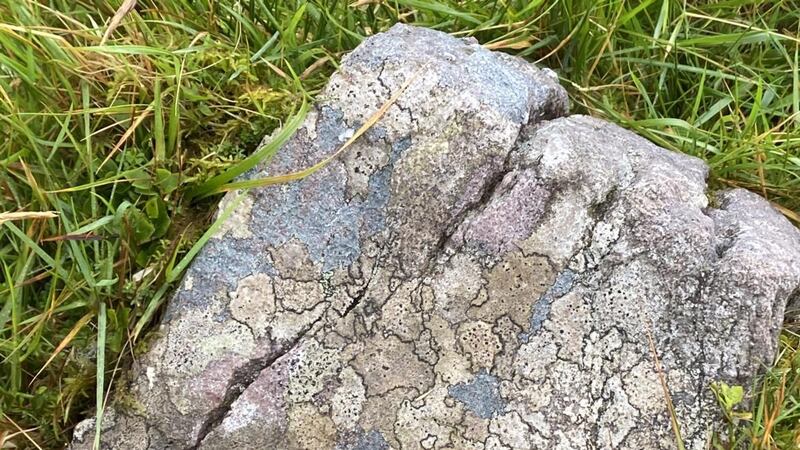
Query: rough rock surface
[(477, 272)]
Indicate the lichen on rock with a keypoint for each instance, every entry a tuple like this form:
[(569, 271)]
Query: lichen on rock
[(479, 271)]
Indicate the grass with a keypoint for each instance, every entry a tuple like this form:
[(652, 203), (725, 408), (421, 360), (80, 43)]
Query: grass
[(116, 133)]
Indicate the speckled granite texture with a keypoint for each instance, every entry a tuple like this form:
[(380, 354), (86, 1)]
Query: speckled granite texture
[(477, 272)]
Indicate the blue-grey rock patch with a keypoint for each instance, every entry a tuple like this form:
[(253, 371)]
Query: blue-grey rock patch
[(541, 308), (481, 395)]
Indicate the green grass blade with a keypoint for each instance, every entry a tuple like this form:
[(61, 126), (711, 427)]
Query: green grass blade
[(211, 186), (101, 371)]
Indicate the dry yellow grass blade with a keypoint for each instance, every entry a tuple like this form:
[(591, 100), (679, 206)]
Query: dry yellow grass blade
[(19, 31), (747, 26), (363, 2), (126, 135), (24, 432), (511, 43), (771, 416), (23, 215), (277, 70), (279, 179), (760, 159), (64, 342), (22, 34), (123, 10), (558, 47), (673, 417), (791, 215), (606, 42), (314, 67)]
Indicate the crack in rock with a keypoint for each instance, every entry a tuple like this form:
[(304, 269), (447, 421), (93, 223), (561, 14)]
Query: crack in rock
[(247, 374)]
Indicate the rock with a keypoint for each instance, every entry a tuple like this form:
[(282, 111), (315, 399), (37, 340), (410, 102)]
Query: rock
[(477, 271)]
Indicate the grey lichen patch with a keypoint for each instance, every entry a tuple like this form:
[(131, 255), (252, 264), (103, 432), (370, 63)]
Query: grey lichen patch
[(511, 283), (361, 162), (512, 431), (309, 428), (484, 279), (574, 323), (388, 363), (309, 369), (402, 317), (427, 420), (458, 286), (237, 225), (481, 395), (348, 399), (299, 296), (478, 341), (292, 261), (209, 343), (288, 325), (253, 303)]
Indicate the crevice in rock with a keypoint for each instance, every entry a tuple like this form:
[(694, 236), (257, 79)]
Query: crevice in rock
[(526, 132), (242, 323), (697, 325), (792, 313), (599, 211), (242, 378), (247, 374), (487, 192), (360, 296)]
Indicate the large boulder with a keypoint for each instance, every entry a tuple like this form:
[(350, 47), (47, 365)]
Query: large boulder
[(477, 271)]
